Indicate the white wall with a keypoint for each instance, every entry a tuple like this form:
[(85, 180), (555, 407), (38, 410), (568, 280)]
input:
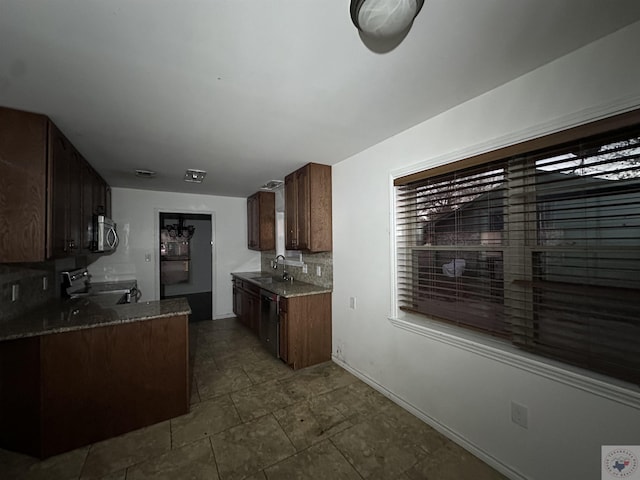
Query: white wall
[(461, 389), (136, 213)]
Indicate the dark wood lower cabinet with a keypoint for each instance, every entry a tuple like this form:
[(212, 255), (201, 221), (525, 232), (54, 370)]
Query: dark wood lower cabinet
[(62, 391), (246, 304), (305, 330), (304, 323)]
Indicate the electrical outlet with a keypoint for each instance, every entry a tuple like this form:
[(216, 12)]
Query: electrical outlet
[(352, 302), (305, 269), (519, 414), (318, 270)]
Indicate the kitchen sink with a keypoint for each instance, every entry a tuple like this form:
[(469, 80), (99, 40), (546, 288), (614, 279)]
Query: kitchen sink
[(267, 279)]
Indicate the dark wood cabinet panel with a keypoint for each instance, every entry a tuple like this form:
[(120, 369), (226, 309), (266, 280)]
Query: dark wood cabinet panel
[(305, 330), (246, 303), (80, 387), (42, 194), (94, 202), (66, 195), (304, 323), (23, 187), (308, 209), (261, 221), (291, 212), (107, 206), (284, 330)]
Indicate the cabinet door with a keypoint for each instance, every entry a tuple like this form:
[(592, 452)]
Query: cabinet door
[(253, 222), (107, 201), (74, 203), (291, 212), (308, 330), (60, 153), (93, 203), (284, 331), (303, 201), (308, 209), (23, 186), (65, 227), (318, 207), (261, 228), (237, 299)]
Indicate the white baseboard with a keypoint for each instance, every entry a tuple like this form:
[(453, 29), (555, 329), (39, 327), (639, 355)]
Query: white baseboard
[(452, 435), (220, 316)]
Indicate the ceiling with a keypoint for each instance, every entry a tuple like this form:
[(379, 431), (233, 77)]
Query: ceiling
[(250, 90)]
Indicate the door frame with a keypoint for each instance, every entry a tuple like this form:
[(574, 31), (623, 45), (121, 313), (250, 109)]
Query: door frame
[(156, 249)]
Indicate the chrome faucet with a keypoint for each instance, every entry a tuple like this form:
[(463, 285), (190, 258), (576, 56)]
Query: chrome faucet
[(275, 262), (285, 275)]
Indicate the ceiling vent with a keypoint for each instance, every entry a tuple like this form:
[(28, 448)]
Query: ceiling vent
[(272, 185), (146, 173), (194, 176)]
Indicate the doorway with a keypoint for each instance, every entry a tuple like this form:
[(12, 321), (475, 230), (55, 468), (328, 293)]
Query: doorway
[(186, 261)]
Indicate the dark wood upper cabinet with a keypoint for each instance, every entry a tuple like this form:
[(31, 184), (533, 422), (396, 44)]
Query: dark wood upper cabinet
[(307, 206), (23, 186), (261, 221), (44, 210), (64, 196), (94, 202)]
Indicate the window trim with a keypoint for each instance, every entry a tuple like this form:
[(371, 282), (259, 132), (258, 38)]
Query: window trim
[(502, 351), (588, 129), (494, 348)]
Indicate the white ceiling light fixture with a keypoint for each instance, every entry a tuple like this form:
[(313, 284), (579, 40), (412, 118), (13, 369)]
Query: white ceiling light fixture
[(384, 18), (194, 176)]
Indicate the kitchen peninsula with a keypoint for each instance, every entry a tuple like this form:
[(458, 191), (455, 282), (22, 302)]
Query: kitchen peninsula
[(79, 371)]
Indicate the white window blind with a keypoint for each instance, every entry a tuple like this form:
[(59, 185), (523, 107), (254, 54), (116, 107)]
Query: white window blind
[(542, 248)]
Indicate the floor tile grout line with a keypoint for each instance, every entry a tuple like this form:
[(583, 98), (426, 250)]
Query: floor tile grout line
[(355, 469), (84, 462), (213, 452)]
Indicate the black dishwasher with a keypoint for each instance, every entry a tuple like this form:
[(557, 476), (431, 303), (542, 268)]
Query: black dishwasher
[(269, 322)]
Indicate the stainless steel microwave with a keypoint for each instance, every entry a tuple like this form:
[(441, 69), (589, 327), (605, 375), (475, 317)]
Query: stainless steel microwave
[(106, 237)]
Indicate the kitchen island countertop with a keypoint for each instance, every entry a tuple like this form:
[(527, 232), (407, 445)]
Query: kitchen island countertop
[(60, 316)]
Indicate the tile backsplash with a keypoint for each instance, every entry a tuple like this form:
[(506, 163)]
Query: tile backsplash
[(29, 279), (29, 286), (324, 260)]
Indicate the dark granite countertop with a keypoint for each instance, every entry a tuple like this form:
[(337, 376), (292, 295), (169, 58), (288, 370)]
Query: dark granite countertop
[(97, 311), (280, 287)]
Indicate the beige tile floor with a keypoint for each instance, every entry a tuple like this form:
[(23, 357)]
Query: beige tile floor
[(254, 418)]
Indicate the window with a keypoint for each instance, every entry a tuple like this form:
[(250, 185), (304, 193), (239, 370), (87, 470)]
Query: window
[(540, 247)]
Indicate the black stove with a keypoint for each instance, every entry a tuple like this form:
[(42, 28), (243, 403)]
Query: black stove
[(76, 284)]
